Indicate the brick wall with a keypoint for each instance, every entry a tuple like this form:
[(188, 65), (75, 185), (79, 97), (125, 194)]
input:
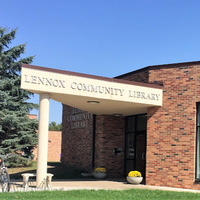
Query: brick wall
[(171, 132), (138, 76), (110, 134), (54, 146), (171, 129), (30, 116), (77, 138), (77, 144)]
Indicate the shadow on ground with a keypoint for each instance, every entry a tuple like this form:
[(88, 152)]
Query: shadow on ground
[(59, 171)]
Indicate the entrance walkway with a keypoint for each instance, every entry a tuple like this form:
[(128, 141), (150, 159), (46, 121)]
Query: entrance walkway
[(108, 185), (94, 185)]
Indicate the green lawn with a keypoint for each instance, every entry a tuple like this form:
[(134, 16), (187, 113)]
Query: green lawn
[(133, 194)]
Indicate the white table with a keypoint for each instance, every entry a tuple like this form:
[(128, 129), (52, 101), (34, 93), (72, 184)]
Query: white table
[(45, 184)]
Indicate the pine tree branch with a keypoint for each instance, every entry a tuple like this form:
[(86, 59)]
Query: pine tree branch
[(6, 38)]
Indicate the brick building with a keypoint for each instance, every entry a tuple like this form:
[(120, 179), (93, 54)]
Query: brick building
[(146, 120), (54, 144), (162, 142), (54, 147)]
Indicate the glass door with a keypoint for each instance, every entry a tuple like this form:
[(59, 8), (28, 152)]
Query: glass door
[(135, 153)]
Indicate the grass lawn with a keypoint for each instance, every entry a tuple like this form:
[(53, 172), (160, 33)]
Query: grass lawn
[(133, 194)]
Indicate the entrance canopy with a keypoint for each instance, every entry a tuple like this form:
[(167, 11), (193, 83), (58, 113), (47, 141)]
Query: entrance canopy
[(94, 94), (97, 95)]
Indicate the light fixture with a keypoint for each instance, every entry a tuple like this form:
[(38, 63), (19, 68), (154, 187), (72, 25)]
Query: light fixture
[(93, 102), (117, 114)]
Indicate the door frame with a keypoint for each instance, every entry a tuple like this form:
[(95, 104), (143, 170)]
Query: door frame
[(135, 145)]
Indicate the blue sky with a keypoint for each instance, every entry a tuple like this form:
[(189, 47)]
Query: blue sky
[(104, 37)]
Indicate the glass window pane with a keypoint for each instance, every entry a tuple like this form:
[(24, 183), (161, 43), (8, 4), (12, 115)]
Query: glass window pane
[(198, 154), (141, 123), (198, 114), (130, 146), (131, 124), (129, 166)]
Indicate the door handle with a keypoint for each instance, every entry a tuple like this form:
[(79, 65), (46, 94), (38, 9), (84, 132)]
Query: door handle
[(144, 156)]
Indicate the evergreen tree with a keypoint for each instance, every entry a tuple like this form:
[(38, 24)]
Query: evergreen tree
[(17, 132)]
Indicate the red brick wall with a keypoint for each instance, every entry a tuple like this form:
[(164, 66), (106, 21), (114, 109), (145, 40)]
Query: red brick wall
[(171, 132), (138, 76), (30, 116), (77, 138), (171, 129), (54, 146), (110, 134), (77, 144)]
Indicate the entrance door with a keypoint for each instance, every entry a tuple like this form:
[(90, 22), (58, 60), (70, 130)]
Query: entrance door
[(135, 154)]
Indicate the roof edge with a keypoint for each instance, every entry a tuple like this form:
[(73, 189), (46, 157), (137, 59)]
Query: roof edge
[(160, 66), (116, 80)]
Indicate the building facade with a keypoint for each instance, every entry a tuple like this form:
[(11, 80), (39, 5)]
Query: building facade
[(163, 142), (106, 98)]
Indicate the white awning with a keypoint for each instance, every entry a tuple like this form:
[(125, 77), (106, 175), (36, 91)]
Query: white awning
[(97, 95)]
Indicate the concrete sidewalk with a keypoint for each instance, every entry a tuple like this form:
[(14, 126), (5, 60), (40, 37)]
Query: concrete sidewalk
[(109, 185), (94, 184)]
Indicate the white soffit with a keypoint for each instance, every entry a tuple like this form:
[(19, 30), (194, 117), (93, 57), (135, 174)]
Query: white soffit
[(108, 96)]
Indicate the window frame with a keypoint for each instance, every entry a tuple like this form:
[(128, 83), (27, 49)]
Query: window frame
[(197, 160)]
